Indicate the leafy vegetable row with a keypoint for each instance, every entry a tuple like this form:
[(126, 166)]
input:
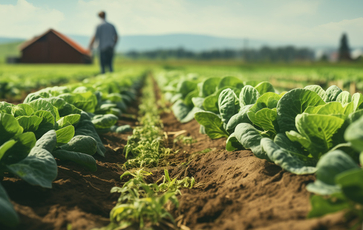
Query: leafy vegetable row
[(63, 123), (303, 130), (18, 79)]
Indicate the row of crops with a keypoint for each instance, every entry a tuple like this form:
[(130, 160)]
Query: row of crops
[(62, 122), (142, 205), (17, 81), (304, 131), (347, 77)]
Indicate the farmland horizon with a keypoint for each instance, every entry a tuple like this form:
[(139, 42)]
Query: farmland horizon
[(188, 41)]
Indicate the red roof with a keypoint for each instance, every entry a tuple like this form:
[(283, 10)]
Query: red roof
[(69, 41)]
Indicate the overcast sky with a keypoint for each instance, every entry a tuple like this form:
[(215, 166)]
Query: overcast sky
[(298, 22)]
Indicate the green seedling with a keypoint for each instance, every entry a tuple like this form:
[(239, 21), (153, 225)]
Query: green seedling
[(143, 148), (141, 203), (185, 140), (174, 185)]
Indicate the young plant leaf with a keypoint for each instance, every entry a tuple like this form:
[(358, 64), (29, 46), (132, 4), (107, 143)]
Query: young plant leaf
[(266, 119), (180, 110), (86, 101), (213, 124), (104, 121), (248, 96), (82, 159), (185, 87), (64, 108), (319, 130), (250, 138), (332, 92), (64, 135), (29, 123), (293, 103), (42, 104), (354, 134), (24, 143), (227, 105), (6, 107), (351, 184), (190, 115), (22, 110), (317, 89), (329, 166), (9, 127), (86, 127), (38, 168), (48, 141), (264, 87), (322, 205), (68, 120), (240, 117), (344, 98), (210, 103), (209, 86), (230, 81), (82, 144), (5, 147), (290, 161), (233, 144)]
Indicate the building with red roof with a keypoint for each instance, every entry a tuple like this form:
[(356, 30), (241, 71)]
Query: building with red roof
[(53, 47)]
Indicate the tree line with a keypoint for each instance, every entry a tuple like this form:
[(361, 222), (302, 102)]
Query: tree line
[(265, 54)]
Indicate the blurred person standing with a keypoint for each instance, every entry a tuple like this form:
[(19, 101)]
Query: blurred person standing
[(106, 36)]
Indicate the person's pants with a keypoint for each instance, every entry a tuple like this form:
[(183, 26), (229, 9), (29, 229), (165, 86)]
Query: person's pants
[(106, 57)]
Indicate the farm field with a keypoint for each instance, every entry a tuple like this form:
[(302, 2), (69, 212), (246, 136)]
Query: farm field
[(181, 115), (16, 77), (199, 146)]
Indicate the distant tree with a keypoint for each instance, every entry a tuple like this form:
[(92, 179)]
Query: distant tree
[(324, 58), (264, 54), (344, 51), (133, 54)]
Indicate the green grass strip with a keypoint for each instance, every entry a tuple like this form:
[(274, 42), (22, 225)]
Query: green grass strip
[(144, 147)]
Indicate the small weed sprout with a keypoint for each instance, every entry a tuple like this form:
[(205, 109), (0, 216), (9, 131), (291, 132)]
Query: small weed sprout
[(144, 147), (141, 203), (174, 185), (185, 140)]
